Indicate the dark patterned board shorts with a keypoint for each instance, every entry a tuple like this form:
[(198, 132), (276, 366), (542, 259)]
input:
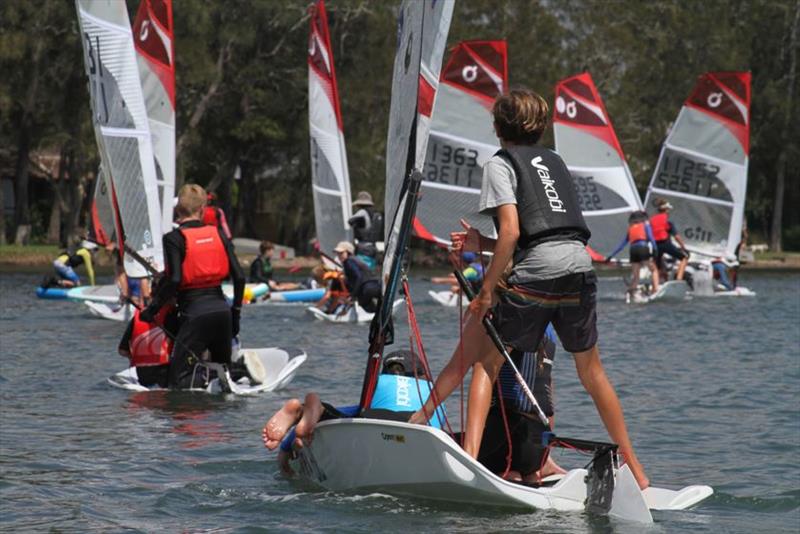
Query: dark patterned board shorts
[(569, 302)]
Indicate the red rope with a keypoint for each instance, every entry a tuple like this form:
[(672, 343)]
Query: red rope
[(416, 336)]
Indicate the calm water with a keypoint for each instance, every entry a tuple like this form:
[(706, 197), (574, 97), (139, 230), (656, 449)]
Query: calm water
[(711, 391)]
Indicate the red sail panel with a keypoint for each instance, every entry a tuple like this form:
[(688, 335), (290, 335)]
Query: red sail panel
[(320, 55), (153, 37), (726, 97), (579, 105), (479, 68)]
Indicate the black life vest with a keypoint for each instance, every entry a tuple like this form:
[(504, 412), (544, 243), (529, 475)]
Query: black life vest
[(372, 230), (546, 203)]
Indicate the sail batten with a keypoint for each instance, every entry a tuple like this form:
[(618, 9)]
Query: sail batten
[(330, 178), (461, 140), (702, 167), (586, 140)]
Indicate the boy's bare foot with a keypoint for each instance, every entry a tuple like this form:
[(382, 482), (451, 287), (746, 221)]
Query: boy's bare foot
[(311, 415), (552, 468), (281, 422)]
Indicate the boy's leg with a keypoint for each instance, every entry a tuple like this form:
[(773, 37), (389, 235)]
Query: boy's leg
[(635, 267), (594, 380), (654, 274), (281, 422)]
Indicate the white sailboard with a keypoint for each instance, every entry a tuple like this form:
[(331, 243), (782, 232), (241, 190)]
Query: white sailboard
[(353, 314), (330, 181), (461, 140), (121, 127), (280, 365), (446, 298), (155, 54), (702, 168), (585, 139)]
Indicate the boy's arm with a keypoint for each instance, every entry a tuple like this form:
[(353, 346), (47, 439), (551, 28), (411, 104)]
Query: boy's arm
[(507, 237)]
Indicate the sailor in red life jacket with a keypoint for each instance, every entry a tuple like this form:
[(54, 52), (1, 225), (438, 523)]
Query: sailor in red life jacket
[(214, 216), (642, 249), (662, 230), (148, 347), (198, 259)]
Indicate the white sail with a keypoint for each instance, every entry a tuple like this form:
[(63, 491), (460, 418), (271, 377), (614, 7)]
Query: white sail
[(702, 169), (330, 181), (121, 126), (153, 38), (422, 35), (586, 140), (461, 140)]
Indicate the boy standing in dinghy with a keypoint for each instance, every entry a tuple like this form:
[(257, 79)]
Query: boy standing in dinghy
[(529, 192)]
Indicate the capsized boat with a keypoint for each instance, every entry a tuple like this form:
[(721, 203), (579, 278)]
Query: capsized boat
[(702, 170), (367, 455), (352, 314), (280, 365)]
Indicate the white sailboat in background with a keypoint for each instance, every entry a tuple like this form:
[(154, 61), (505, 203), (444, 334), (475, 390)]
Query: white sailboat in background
[(585, 139), (702, 172), (461, 140), (122, 128)]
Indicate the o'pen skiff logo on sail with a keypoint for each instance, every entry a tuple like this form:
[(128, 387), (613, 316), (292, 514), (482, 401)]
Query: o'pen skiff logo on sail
[(148, 238), (470, 73), (145, 31), (714, 100), (563, 106), (556, 204)]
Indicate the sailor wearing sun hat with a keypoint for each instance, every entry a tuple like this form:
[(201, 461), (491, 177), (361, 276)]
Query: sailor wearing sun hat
[(367, 225), (360, 282), (663, 230)]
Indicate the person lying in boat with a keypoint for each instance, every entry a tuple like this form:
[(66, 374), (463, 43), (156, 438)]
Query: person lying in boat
[(642, 250), (664, 231), (362, 285), (336, 298), (397, 396), (721, 267), (473, 272), (66, 263), (367, 225), (261, 270), (551, 281), (198, 258)]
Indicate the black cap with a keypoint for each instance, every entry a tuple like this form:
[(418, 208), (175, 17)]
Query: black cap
[(409, 361)]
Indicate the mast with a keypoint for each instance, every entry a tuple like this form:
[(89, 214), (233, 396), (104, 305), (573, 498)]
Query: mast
[(422, 34)]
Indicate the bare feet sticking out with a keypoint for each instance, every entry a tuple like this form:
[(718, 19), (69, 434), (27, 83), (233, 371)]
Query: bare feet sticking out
[(312, 411), (281, 422)]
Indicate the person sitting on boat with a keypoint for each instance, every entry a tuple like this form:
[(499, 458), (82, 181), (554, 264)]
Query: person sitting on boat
[(148, 347), (214, 216), (397, 396), (261, 270), (473, 272), (541, 231), (362, 285), (642, 250), (663, 231), (198, 258), (367, 225), (721, 266), (66, 263)]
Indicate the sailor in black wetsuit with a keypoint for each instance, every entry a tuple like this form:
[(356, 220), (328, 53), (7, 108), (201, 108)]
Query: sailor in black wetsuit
[(367, 225), (198, 258)]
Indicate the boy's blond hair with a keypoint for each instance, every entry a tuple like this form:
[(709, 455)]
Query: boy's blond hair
[(520, 116), (191, 201)]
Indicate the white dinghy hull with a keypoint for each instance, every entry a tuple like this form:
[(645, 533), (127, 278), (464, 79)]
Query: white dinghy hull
[(280, 364), (356, 314), (367, 455), (445, 298), (111, 311)]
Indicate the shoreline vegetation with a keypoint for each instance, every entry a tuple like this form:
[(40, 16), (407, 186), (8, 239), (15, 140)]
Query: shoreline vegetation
[(39, 258)]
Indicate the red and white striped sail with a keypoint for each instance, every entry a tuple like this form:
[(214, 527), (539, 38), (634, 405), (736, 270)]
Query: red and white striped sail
[(461, 140), (153, 38), (702, 169), (586, 140), (121, 127), (102, 213), (423, 26), (330, 180)]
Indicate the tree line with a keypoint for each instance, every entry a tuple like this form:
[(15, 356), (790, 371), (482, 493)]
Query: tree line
[(242, 123)]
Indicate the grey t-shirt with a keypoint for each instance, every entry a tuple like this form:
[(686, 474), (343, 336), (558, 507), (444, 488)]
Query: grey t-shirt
[(545, 261)]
